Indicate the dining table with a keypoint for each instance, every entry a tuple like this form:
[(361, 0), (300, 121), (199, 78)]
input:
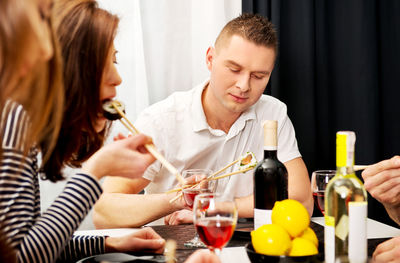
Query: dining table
[(235, 251)]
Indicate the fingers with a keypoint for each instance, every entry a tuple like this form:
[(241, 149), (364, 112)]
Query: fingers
[(372, 170), (118, 137), (138, 140), (203, 256), (156, 245), (385, 184), (388, 251), (179, 217), (148, 233), (171, 219), (167, 219)]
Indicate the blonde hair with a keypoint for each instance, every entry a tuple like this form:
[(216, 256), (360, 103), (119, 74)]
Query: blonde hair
[(252, 27), (40, 91)]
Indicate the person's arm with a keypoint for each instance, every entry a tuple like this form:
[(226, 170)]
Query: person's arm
[(299, 183), (121, 206), (382, 181), (299, 189)]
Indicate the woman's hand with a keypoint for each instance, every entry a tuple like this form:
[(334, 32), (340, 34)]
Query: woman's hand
[(144, 239), (126, 157)]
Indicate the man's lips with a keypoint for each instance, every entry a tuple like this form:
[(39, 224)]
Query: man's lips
[(238, 98)]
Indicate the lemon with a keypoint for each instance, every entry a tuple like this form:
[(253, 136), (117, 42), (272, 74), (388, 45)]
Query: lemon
[(302, 247), (271, 240), (291, 215), (309, 234)]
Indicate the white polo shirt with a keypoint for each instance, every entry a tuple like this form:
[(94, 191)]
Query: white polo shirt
[(181, 133)]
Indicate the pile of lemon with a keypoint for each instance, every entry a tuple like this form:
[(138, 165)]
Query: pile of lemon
[(289, 234)]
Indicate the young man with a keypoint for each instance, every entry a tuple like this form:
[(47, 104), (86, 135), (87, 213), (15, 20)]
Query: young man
[(210, 126)]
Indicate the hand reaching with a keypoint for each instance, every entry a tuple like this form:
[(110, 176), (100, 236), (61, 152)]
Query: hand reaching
[(382, 181)]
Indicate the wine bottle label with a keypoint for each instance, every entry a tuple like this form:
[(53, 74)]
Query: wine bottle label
[(358, 231), (261, 217), (342, 227), (329, 232)]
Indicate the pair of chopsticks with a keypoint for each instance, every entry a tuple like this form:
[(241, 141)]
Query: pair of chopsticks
[(150, 147)]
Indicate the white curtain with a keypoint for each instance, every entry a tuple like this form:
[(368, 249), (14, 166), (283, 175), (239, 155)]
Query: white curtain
[(162, 45), (161, 49)]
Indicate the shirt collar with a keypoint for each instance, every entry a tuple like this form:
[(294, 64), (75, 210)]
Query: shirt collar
[(199, 121)]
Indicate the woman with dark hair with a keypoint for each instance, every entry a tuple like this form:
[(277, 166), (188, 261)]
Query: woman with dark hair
[(32, 110)]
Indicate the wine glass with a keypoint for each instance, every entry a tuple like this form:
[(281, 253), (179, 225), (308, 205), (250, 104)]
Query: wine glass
[(215, 219), (319, 181), (190, 193)]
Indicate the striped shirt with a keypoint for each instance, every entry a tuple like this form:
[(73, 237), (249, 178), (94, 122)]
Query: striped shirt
[(49, 236)]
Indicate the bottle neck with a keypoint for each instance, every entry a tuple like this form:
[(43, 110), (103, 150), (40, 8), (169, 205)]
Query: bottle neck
[(270, 154), (345, 170)]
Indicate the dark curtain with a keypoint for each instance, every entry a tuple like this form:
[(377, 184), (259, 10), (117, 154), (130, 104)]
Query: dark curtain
[(338, 69)]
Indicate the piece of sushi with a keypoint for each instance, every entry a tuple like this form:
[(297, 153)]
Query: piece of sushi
[(248, 160), (110, 112)]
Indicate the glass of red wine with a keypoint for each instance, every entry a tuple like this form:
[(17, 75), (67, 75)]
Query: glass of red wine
[(319, 181), (215, 219), (189, 194)]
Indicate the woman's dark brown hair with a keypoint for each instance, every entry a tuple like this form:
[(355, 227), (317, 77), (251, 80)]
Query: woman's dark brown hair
[(86, 34)]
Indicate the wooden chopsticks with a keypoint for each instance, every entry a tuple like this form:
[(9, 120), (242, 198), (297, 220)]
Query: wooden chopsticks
[(150, 147), (209, 178), (359, 167)]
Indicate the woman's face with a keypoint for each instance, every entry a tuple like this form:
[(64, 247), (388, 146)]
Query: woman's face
[(41, 47), (109, 81)]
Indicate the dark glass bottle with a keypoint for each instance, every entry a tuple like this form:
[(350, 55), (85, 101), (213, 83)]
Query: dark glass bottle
[(270, 178)]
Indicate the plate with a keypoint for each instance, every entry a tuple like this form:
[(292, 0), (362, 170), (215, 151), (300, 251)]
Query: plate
[(243, 233), (123, 257), (261, 258)]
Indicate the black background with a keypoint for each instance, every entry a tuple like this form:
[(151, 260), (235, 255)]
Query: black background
[(338, 69)]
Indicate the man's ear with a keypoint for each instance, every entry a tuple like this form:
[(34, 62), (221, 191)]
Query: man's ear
[(209, 57)]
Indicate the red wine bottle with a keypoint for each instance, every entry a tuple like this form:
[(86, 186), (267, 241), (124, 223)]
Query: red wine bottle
[(270, 178)]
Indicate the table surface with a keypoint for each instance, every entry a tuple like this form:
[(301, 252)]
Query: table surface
[(183, 233), (235, 252)]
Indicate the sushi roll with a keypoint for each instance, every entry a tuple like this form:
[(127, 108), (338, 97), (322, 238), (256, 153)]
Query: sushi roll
[(248, 160), (110, 112)]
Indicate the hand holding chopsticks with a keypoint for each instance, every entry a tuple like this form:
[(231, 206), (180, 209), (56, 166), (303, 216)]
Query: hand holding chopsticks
[(150, 147)]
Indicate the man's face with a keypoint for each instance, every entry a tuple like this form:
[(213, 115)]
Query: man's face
[(240, 71)]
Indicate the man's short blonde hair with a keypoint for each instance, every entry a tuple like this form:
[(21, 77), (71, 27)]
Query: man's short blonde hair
[(252, 27)]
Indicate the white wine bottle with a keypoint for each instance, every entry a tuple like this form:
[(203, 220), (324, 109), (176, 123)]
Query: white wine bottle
[(345, 207), (270, 178)]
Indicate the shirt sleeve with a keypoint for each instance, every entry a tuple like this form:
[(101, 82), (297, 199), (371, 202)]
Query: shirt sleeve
[(145, 124), (36, 237), (287, 143)]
